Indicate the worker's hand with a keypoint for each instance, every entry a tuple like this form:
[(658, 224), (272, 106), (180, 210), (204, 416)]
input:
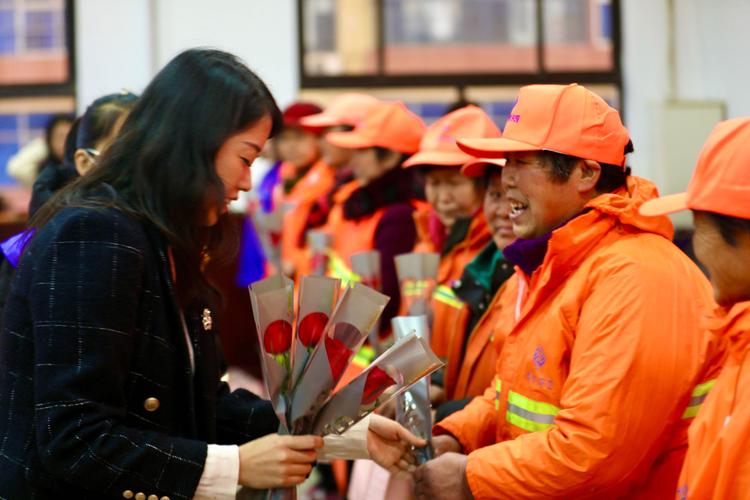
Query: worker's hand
[(437, 395), (389, 445), (444, 444), (443, 478)]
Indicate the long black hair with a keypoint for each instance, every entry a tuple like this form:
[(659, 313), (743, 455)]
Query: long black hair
[(161, 165)]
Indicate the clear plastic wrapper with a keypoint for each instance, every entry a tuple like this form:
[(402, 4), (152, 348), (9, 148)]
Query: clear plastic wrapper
[(319, 244), (413, 407), (354, 316), (405, 362), (417, 278), (317, 299), (367, 266), (272, 300)]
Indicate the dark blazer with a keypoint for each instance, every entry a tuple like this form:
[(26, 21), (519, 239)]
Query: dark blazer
[(96, 394)]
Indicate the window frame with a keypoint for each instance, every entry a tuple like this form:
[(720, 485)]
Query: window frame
[(64, 89), (381, 79)]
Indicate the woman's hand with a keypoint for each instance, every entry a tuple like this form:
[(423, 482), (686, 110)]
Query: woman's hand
[(275, 461), (389, 445)]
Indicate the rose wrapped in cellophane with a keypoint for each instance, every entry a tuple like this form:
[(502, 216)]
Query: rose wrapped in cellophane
[(351, 321), (413, 408), (405, 362), (317, 298), (417, 278), (271, 300), (319, 244), (367, 266)]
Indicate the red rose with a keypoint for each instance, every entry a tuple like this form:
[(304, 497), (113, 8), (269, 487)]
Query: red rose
[(338, 356), (311, 328), (377, 382), (278, 337)]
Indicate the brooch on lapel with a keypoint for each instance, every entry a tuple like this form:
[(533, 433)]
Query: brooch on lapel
[(207, 320)]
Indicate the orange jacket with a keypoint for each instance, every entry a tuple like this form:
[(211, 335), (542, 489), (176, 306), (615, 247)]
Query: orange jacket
[(594, 378), (469, 371), (445, 304), (317, 182), (717, 464)]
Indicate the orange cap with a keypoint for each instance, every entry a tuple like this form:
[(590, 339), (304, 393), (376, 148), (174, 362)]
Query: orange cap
[(721, 181), (346, 109), (388, 125), (438, 146), (478, 166), (568, 119)]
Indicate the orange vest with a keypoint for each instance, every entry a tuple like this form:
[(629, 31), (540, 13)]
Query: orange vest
[(595, 382), (317, 182), (446, 305), (469, 371), (717, 464)]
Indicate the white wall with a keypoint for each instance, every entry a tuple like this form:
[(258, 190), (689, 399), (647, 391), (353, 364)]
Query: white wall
[(711, 46), (124, 43), (112, 47)]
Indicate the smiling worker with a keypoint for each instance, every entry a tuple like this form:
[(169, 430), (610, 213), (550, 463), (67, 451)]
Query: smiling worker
[(592, 397)]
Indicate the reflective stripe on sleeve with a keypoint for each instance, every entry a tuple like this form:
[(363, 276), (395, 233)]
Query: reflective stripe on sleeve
[(697, 397)]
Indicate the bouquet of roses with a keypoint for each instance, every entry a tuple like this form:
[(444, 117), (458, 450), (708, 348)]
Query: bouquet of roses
[(413, 408), (405, 362), (367, 266), (417, 278)]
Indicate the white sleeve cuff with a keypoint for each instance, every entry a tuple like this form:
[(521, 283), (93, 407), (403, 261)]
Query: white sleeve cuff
[(220, 474), (350, 445)]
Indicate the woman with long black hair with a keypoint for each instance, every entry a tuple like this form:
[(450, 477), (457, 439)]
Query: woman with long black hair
[(110, 375)]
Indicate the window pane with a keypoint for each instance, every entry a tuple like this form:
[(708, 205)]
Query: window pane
[(32, 42), (460, 36), (578, 35), (340, 37)]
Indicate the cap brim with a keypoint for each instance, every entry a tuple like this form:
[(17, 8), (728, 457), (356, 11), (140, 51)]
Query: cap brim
[(664, 205), (320, 120), (437, 158), (494, 147), (477, 168), (349, 140)]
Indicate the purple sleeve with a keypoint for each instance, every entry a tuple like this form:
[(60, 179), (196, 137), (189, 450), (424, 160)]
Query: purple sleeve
[(395, 234)]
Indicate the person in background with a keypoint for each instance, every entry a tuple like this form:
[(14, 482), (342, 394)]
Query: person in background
[(453, 224), (488, 294), (90, 135), (374, 212), (717, 464), (343, 113), (295, 151), (606, 363), (25, 165), (110, 381)]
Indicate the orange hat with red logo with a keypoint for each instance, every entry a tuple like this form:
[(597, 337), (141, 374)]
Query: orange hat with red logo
[(388, 125), (567, 119), (438, 146), (721, 181), (476, 167), (346, 109)]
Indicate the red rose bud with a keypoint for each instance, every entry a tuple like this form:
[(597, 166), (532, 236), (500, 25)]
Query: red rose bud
[(375, 385), (338, 356), (311, 328), (278, 337)]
